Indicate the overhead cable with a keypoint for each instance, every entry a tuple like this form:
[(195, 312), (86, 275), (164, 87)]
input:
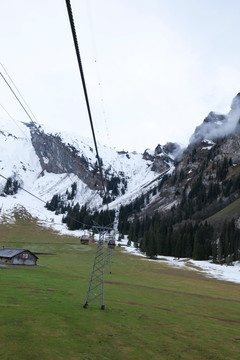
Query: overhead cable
[(71, 20), (34, 122), (14, 121), (18, 91), (38, 198), (16, 96)]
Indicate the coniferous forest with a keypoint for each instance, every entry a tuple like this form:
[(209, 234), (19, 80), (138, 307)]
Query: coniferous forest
[(76, 216), (158, 236), (182, 231)]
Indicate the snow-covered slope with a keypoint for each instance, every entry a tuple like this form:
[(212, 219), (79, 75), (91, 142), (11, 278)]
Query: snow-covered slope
[(29, 166), (18, 161)]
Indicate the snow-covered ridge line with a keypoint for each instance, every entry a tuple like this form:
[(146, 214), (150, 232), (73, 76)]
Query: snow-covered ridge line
[(31, 161)]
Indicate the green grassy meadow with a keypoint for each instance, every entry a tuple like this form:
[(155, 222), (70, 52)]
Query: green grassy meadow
[(152, 311), (226, 214)]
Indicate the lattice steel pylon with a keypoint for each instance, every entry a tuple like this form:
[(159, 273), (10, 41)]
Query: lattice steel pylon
[(111, 246), (109, 259), (96, 284)]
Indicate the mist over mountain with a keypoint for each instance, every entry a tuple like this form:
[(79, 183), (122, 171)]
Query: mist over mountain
[(217, 125)]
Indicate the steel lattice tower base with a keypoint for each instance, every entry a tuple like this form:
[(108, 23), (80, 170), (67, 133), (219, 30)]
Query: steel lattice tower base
[(96, 284), (109, 259)]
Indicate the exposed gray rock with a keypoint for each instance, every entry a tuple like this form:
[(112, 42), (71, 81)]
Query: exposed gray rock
[(58, 158), (160, 159), (216, 126)]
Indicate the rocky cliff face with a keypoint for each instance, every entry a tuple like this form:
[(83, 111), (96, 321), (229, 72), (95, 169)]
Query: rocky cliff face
[(59, 158), (213, 141), (212, 159), (165, 176), (163, 156), (216, 125)]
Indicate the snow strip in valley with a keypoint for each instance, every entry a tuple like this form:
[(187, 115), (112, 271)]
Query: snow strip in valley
[(216, 271)]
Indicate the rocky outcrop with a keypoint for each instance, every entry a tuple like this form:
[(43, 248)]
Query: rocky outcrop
[(211, 128), (230, 149), (216, 125), (160, 160), (163, 156), (58, 158)]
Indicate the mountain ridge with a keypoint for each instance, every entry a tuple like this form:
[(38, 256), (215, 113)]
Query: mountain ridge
[(47, 163)]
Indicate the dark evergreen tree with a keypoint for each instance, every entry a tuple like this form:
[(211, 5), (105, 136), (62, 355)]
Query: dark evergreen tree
[(11, 187)]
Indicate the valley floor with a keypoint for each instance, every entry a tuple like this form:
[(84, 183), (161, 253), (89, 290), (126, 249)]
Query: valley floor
[(209, 269), (152, 310)]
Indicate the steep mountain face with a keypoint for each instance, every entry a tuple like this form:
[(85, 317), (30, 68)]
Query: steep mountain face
[(216, 126), (194, 211), (59, 158), (46, 164), (190, 184), (163, 156), (206, 178)]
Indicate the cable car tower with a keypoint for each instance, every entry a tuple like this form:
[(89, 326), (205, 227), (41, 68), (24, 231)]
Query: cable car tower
[(96, 284), (95, 288), (111, 244)]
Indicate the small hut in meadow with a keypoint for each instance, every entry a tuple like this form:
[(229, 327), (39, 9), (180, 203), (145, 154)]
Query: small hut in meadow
[(17, 257)]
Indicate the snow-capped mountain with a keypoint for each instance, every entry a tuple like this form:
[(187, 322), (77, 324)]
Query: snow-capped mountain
[(37, 161), (206, 178)]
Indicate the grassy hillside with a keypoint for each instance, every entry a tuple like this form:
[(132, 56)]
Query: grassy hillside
[(226, 214), (152, 311)]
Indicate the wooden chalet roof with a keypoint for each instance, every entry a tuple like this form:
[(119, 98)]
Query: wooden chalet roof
[(10, 253)]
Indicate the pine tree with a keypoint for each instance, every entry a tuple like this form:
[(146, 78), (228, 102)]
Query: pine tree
[(151, 248), (214, 251)]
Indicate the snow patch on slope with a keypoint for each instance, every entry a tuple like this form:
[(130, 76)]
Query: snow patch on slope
[(19, 161), (208, 269)]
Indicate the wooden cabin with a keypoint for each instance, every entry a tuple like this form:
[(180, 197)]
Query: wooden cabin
[(17, 257)]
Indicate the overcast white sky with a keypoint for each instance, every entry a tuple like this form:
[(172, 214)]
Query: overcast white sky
[(154, 68)]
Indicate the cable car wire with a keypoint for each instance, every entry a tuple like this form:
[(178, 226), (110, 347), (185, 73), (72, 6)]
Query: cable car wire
[(16, 96), (33, 122), (87, 102), (14, 121), (18, 91), (74, 34), (99, 81), (38, 198)]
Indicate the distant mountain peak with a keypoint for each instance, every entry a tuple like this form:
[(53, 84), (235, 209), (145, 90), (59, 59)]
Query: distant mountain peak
[(217, 125), (236, 102)]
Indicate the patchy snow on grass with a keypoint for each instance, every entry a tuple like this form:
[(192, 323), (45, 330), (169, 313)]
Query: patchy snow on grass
[(207, 268)]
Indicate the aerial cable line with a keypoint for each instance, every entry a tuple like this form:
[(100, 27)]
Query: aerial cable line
[(97, 71), (18, 91), (14, 121), (16, 96), (71, 20), (23, 107), (28, 192), (96, 284), (38, 198)]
